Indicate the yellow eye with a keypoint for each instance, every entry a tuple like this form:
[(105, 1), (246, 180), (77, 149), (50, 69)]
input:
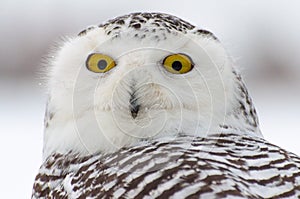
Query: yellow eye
[(178, 63), (99, 63)]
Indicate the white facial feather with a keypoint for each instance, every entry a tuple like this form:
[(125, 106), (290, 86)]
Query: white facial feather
[(91, 112)]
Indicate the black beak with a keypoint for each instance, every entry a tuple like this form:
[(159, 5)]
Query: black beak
[(134, 106)]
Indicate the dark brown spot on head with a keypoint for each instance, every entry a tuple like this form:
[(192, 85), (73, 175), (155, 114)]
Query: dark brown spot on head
[(121, 22), (136, 26), (82, 33)]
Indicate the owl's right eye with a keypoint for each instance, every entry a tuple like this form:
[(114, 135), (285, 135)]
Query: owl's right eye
[(99, 63), (178, 63)]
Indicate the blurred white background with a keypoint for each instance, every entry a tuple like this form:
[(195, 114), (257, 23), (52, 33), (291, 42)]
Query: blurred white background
[(262, 36)]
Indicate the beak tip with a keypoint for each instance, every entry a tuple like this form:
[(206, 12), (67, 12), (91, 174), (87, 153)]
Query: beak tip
[(134, 110)]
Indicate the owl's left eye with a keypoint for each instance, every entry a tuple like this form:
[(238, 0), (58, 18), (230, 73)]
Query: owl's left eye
[(178, 63), (99, 63)]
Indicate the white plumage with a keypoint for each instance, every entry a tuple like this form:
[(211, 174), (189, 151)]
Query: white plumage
[(149, 106)]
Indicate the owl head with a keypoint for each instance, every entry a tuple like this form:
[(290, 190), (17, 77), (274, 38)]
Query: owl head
[(140, 77)]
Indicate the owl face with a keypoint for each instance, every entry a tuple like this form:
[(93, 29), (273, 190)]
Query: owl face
[(112, 87)]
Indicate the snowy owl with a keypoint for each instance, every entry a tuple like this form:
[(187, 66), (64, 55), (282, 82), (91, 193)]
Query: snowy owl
[(147, 105)]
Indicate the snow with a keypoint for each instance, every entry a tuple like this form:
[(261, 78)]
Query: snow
[(21, 139)]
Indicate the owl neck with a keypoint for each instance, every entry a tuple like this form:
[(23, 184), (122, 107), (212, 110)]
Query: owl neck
[(243, 116)]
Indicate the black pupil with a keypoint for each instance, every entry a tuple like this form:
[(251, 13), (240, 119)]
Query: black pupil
[(102, 64), (176, 65)]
